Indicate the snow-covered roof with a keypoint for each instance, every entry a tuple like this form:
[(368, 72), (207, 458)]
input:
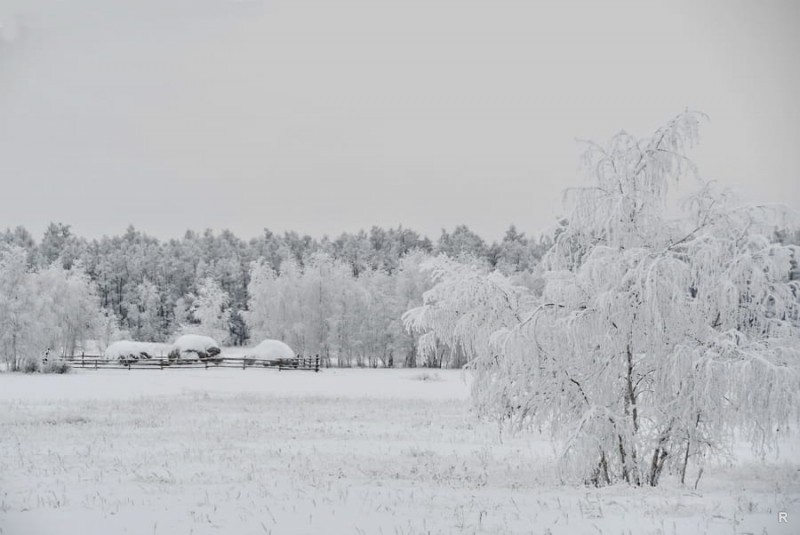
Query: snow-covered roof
[(271, 349)]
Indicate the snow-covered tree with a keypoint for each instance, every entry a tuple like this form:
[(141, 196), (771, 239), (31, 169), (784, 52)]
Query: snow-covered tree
[(656, 338), (149, 285), (323, 308), (143, 305), (70, 306), (411, 282), (21, 339), (262, 289), (307, 307), (60, 246), (379, 312), (461, 242), (54, 309), (349, 303), (316, 288), (466, 305), (275, 305), (210, 311)]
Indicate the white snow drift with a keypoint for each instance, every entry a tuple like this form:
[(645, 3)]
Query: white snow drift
[(270, 350)]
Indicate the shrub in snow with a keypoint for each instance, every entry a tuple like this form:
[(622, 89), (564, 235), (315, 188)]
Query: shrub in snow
[(194, 346), (270, 350), (656, 340), (54, 366), (425, 376)]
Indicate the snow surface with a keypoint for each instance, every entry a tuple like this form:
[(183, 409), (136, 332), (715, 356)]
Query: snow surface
[(259, 451), (270, 350)]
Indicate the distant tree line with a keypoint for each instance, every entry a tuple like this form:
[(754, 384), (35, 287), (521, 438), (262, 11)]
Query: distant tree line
[(339, 297)]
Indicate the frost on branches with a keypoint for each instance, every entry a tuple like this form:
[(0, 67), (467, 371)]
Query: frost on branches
[(656, 340), (463, 310), (51, 311), (211, 311)]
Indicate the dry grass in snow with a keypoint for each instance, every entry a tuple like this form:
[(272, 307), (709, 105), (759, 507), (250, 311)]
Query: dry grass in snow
[(343, 451)]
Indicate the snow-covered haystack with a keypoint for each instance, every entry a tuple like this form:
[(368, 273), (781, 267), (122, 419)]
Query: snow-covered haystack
[(128, 350), (194, 346), (270, 350)]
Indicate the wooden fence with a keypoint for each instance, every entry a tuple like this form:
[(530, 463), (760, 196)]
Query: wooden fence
[(96, 362)]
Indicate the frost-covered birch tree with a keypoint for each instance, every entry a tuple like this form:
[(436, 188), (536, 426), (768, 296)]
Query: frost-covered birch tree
[(55, 309), (21, 341), (466, 305), (210, 312), (70, 308), (274, 305), (657, 340), (323, 308), (411, 283)]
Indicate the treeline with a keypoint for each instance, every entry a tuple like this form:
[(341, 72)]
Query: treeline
[(340, 297)]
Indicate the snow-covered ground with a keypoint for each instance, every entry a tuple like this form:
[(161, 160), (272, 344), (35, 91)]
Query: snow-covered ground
[(227, 451)]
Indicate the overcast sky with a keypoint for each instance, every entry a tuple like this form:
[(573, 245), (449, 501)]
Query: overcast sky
[(333, 115)]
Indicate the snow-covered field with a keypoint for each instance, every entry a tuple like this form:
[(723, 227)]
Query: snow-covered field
[(342, 451)]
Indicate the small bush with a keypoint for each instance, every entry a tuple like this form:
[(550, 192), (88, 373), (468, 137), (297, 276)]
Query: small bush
[(55, 366), (425, 376), (30, 366)]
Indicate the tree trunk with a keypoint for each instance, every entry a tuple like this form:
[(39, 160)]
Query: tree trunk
[(630, 408)]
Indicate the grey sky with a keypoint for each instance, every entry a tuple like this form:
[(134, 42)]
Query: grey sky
[(330, 116)]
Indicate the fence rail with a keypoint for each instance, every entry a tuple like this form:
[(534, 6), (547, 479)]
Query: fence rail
[(96, 362)]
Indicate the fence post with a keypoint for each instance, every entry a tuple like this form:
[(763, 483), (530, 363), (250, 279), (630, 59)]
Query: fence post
[(83, 364), (316, 364)]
